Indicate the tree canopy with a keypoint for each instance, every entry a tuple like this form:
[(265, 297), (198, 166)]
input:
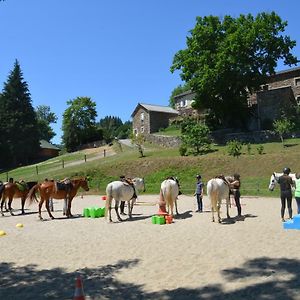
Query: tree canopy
[(19, 138), (228, 58), (44, 118), (79, 125)]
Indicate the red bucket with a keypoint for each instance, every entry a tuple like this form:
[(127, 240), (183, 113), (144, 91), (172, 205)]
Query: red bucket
[(103, 197)]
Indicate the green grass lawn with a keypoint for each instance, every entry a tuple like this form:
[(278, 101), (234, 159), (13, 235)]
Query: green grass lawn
[(158, 163)]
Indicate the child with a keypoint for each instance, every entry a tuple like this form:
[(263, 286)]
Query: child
[(199, 193)]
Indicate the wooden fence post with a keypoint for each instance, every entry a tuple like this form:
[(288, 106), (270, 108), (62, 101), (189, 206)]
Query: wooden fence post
[(37, 170), (63, 164), (104, 153), (84, 157)]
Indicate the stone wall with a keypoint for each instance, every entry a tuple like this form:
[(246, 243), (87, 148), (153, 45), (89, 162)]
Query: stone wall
[(163, 140)]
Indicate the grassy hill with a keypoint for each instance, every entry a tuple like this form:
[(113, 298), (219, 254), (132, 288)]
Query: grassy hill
[(255, 169)]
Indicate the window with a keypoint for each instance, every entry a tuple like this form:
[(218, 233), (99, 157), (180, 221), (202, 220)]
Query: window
[(181, 103), (142, 129), (265, 87), (298, 99), (142, 117), (297, 81)]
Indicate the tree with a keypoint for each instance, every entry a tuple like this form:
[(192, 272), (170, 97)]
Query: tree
[(79, 126), (19, 133), (195, 136), (110, 125), (139, 140), (282, 127), (44, 118), (226, 59)]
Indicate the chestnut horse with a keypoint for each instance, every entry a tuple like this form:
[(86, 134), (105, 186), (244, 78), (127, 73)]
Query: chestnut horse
[(13, 190), (48, 189)]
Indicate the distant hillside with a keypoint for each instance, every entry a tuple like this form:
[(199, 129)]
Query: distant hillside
[(159, 163)]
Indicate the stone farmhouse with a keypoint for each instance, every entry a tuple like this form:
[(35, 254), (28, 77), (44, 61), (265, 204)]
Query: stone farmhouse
[(149, 118), (280, 92)]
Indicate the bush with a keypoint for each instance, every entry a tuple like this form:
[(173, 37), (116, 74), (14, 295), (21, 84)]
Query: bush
[(183, 150), (234, 148), (260, 149)]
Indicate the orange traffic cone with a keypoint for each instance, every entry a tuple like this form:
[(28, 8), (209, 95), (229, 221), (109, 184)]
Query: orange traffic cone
[(79, 295)]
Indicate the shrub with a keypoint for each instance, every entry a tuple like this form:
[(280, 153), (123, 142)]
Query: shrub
[(234, 148), (260, 149)]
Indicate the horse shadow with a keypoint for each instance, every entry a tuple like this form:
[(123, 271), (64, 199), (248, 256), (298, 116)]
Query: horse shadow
[(185, 215), (228, 221)]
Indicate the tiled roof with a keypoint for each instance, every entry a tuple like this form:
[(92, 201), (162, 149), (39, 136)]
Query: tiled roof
[(46, 145)]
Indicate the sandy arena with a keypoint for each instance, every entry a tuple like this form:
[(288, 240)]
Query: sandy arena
[(191, 258)]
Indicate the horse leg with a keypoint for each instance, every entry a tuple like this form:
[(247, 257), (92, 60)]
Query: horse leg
[(22, 205), (2, 202), (218, 208), (40, 208), (108, 203), (69, 215), (117, 210), (177, 213), (130, 206), (51, 204), (9, 206), (48, 209), (227, 207)]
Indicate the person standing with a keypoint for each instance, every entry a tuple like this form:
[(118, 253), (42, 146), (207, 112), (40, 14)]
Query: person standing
[(199, 193), (235, 188), (286, 182), (297, 192)]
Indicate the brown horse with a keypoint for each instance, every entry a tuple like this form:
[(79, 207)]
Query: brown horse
[(48, 189), (13, 190)]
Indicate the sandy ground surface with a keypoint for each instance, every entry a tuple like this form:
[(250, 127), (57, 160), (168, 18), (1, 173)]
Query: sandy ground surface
[(192, 258)]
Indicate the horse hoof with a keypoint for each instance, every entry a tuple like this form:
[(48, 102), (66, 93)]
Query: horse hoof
[(52, 218)]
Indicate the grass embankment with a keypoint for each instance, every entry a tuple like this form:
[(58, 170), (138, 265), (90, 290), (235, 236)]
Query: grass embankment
[(158, 163)]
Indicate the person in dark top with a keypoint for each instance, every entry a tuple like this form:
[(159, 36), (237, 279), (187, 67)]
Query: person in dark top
[(286, 183), (199, 193), (235, 188)]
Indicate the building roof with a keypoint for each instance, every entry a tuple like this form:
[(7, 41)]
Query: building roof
[(156, 108), (46, 145)]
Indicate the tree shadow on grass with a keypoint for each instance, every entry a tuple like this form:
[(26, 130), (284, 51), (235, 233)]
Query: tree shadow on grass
[(276, 279)]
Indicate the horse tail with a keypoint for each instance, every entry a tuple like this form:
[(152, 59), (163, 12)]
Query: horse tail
[(212, 194), (32, 194), (108, 199)]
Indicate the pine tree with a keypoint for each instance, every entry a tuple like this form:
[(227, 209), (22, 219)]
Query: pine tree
[(19, 132)]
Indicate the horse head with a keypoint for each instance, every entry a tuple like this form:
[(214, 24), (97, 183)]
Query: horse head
[(273, 182), (84, 184), (139, 183)]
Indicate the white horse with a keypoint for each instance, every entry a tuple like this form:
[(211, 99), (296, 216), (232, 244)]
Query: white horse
[(218, 189), (274, 179), (121, 191), (170, 190)]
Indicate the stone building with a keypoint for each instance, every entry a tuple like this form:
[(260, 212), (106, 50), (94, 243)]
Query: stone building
[(281, 92), (149, 118), (47, 150)]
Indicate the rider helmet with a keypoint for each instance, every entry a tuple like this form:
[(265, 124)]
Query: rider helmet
[(286, 171), (198, 176)]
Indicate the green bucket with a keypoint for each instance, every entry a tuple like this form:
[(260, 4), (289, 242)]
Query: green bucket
[(86, 212), (160, 220), (153, 219)]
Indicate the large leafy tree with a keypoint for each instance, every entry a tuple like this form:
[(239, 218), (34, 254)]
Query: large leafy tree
[(79, 126), (19, 133), (228, 58), (44, 118)]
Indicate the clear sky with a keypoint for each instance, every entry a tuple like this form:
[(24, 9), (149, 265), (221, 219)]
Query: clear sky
[(118, 52)]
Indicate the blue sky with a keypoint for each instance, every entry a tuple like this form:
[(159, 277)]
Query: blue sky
[(118, 52)]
